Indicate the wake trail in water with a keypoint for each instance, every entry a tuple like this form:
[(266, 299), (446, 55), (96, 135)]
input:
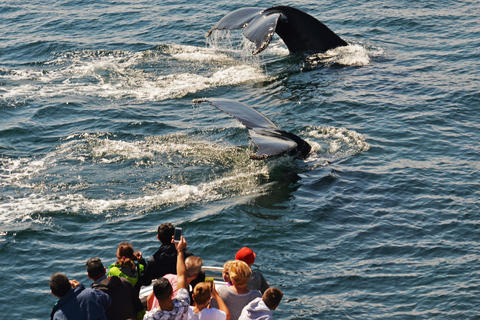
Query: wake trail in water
[(215, 172), (167, 72)]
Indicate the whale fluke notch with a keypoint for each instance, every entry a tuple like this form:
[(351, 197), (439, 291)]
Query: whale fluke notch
[(300, 31), (270, 140)]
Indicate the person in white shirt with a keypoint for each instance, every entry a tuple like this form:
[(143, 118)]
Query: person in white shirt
[(201, 296), (261, 308), (176, 309)]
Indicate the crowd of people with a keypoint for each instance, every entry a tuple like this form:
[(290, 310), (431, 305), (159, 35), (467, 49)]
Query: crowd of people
[(180, 289)]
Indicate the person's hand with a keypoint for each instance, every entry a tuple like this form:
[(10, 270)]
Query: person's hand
[(214, 291), (74, 283), (181, 245), (138, 255)]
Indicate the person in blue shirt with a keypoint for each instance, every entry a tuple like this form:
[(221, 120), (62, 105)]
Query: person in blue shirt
[(75, 302)]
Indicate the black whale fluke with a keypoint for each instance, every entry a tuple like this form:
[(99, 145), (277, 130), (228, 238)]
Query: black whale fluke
[(300, 31), (270, 140)]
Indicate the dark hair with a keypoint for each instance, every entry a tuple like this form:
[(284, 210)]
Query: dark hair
[(162, 289), (59, 284), (125, 255), (165, 232), (95, 268), (272, 297)]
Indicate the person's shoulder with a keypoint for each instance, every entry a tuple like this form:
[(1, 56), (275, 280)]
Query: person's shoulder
[(183, 296), (152, 315), (256, 293), (93, 294), (221, 289), (79, 288), (213, 312), (255, 300), (170, 277), (59, 315), (192, 315), (256, 273)]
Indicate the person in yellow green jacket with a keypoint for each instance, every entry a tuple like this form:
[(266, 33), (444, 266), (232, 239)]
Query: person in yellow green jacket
[(130, 265)]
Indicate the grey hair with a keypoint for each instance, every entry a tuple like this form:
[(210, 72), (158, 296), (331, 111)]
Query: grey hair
[(193, 266)]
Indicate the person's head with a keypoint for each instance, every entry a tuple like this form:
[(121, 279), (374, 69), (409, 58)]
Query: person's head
[(246, 255), (95, 268), (162, 289), (272, 297), (225, 274), (165, 233), (201, 293), (59, 284), (193, 266), (239, 272), (125, 255)]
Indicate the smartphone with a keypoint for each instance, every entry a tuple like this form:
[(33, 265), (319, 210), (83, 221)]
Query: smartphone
[(177, 234), (209, 281)]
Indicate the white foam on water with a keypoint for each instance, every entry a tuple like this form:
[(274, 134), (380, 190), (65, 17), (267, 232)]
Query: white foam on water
[(105, 148), (35, 195), (351, 55), (33, 199), (14, 172), (114, 74), (336, 143), (20, 209), (179, 85), (191, 53)]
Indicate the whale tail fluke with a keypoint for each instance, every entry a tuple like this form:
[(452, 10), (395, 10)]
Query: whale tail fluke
[(270, 140), (300, 31)]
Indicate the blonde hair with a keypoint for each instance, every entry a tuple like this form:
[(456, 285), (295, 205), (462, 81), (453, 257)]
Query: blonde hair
[(225, 274), (239, 272), (201, 293)]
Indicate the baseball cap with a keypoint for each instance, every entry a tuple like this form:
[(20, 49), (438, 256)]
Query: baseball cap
[(246, 255)]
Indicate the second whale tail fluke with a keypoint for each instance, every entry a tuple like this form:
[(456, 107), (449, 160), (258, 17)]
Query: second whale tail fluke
[(270, 140), (300, 31)]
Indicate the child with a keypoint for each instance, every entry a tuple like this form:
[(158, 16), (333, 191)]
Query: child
[(261, 308), (127, 267), (201, 296), (225, 274)]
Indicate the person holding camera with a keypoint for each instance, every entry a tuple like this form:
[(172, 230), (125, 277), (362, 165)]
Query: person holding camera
[(164, 261), (176, 309)]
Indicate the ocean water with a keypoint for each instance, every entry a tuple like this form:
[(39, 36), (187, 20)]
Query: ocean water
[(100, 143)]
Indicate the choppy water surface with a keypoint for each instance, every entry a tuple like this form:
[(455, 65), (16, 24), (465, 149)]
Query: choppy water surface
[(100, 143)]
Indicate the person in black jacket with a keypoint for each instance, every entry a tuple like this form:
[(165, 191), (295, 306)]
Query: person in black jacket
[(125, 301), (164, 261)]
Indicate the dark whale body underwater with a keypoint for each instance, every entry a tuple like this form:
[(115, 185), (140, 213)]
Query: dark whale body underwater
[(270, 140), (301, 32)]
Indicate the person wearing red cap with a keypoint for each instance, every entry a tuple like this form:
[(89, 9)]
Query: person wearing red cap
[(257, 281)]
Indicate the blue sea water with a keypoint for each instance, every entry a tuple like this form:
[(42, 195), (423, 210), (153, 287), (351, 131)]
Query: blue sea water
[(100, 143)]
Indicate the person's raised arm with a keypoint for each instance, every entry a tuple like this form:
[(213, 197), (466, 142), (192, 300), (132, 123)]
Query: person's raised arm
[(221, 305), (181, 274)]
